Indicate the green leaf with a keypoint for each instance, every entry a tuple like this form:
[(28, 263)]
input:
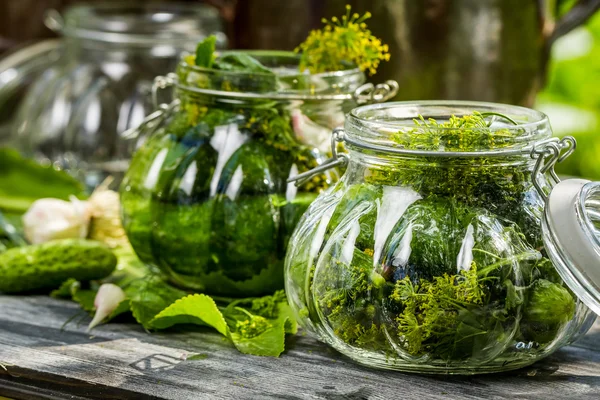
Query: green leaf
[(201, 309), (205, 52), (269, 343), (23, 181), (65, 290), (287, 316), (85, 298), (9, 237), (123, 307), (245, 323), (149, 296), (274, 307), (238, 61), (197, 309)]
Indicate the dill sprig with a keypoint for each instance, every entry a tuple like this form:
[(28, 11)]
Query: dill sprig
[(431, 308), (466, 133), (253, 326), (343, 41)]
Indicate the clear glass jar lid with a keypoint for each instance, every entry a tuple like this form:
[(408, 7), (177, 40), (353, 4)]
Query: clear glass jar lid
[(571, 224), (571, 232)]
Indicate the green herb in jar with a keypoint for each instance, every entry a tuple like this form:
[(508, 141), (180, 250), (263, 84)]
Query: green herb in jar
[(462, 273)]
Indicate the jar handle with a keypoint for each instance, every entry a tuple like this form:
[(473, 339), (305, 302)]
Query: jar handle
[(162, 82), (369, 93), (162, 112), (548, 155), (336, 159)]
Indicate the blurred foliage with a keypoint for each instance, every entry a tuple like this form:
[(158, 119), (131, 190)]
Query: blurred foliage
[(572, 95)]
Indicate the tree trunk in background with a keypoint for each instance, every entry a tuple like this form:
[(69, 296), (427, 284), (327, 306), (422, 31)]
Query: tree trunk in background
[(22, 20), (487, 50)]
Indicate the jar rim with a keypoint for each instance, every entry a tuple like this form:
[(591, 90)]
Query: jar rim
[(373, 127), (352, 70), (141, 24), (288, 83)]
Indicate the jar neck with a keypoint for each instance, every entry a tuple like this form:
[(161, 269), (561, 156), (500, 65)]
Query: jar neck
[(223, 100), (317, 109), (437, 172)]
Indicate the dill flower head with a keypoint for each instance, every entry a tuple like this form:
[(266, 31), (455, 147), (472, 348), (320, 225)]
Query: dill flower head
[(343, 41), (252, 327)]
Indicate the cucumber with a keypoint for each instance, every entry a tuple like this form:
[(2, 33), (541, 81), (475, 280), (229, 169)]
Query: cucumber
[(47, 265)]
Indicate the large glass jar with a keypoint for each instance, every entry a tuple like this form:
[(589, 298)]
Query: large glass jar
[(206, 198), (75, 111), (427, 255)]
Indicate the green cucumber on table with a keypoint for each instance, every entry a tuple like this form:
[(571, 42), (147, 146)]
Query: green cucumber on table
[(47, 265)]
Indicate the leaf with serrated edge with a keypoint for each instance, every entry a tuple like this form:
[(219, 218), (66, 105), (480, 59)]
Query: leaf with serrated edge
[(192, 309), (85, 298), (149, 296)]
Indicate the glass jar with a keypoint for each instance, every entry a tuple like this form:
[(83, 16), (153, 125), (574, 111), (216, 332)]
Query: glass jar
[(18, 70), (206, 198), (427, 256), (74, 112)]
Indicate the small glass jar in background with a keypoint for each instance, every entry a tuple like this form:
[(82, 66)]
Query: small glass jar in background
[(100, 86), (206, 198)]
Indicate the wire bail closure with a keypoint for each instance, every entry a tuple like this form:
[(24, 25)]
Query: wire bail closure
[(337, 159), (163, 110), (548, 155), (369, 93), (162, 82)]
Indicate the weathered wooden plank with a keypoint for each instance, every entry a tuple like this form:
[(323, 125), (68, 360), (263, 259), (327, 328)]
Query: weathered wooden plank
[(123, 361)]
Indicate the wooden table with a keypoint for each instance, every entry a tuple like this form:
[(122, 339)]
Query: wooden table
[(41, 359)]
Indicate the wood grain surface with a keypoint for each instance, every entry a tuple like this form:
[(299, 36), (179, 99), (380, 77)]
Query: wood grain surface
[(42, 358)]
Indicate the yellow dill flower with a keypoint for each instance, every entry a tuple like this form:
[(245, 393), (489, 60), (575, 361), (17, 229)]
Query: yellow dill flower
[(342, 41)]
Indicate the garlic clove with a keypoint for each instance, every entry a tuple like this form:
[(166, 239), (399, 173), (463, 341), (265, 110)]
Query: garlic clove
[(107, 299)]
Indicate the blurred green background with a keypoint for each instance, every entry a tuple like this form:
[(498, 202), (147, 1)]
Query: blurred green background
[(572, 96)]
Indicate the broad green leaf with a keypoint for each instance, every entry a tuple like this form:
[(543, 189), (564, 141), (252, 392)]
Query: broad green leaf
[(193, 309), (205, 52), (242, 62), (23, 181), (85, 298), (149, 296)]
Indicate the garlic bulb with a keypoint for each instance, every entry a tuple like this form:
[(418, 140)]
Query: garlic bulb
[(49, 219)]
